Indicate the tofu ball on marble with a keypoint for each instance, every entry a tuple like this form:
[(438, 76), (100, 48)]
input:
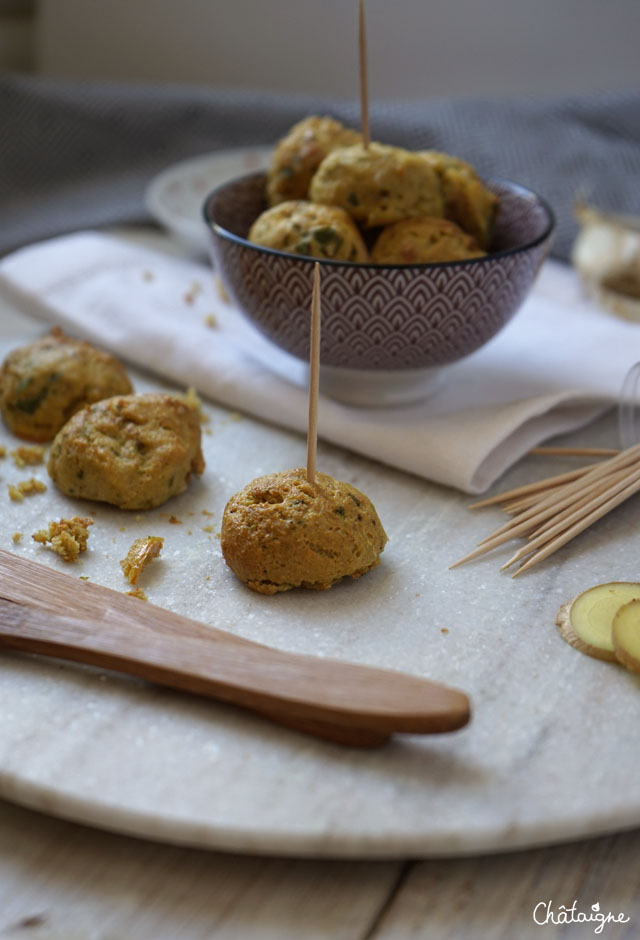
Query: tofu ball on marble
[(44, 383), (133, 451), (282, 532)]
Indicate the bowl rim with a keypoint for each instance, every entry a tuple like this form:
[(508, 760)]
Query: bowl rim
[(489, 258)]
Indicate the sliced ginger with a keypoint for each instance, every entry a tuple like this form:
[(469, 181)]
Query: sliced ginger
[(625, 633), (585, 623), (604, 622)]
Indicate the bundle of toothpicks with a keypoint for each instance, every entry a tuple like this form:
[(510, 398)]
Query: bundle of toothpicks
[(553, 511)]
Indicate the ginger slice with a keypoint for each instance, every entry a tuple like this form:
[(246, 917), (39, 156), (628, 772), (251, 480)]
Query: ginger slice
[(141, 554), (626, 635), (586, 622)]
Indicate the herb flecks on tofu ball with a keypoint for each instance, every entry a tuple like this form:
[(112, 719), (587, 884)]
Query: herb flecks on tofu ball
[(378, 185), (303, 228)]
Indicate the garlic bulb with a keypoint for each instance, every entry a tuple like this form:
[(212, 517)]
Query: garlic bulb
[(607, 255)]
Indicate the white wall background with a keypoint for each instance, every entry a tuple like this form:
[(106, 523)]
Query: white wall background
[(417, 48)]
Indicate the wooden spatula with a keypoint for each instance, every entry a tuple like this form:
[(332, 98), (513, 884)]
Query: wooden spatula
[(43, 611)]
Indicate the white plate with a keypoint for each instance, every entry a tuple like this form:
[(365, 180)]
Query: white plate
[(175, 196)]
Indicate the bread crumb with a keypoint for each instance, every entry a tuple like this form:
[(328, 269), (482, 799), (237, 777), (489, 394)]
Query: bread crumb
[(193, 400), (18, 492), (147, 276), (235, 416), (68, 537), (141, 554), (3, 450), (443, 630), (205, 512), (139, 518), (210, 321), (28, 455), (15, 538), (138, 592), (174, 520), (83, 577), (192, 293), (207, 528)]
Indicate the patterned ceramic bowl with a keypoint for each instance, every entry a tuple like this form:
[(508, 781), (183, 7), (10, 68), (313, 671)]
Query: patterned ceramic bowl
[(379, 317)]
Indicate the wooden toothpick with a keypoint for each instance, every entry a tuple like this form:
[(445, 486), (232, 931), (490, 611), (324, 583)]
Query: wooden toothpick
[(552, 512), (314, 376), (364, 84)]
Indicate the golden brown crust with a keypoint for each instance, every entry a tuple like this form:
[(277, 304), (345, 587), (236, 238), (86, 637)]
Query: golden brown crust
[(281, 532), (134, 451), (315, 231), (298, 155), (43, 384), (378, 185), (422, 241)]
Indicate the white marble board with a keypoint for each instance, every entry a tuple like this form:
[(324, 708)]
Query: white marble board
[(551, 753)]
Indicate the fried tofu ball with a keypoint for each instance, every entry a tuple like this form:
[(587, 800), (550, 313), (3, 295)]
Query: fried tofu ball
[(298, 155), (467, 201), (44, 383), (422, 241), (282, 532), (133, 451), (303, 228), (378, 185)]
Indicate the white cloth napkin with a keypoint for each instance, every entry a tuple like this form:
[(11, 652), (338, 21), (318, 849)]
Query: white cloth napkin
[(555, 366)]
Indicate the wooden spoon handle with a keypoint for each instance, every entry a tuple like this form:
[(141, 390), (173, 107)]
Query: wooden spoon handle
[(329, 698)]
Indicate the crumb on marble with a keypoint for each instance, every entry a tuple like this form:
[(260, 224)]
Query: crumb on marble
[(139, 593), (66, 538), (29, 487), (148, 276), (3, 450), (192, 294), (141, 553), (83, 577), (193, 400), (207, 528), (211, 321), (443, 630), (16, 537), (28, 455), (174, 520), (235, 416), (205, 512), (139, 518)]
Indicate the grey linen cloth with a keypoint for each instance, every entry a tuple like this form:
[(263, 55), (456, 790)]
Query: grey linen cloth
[(78, 154)]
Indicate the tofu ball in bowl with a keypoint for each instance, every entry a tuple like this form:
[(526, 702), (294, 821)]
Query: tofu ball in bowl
[(304, 228), (378, 184), (467, 201), (423, 241), (299, 154)]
